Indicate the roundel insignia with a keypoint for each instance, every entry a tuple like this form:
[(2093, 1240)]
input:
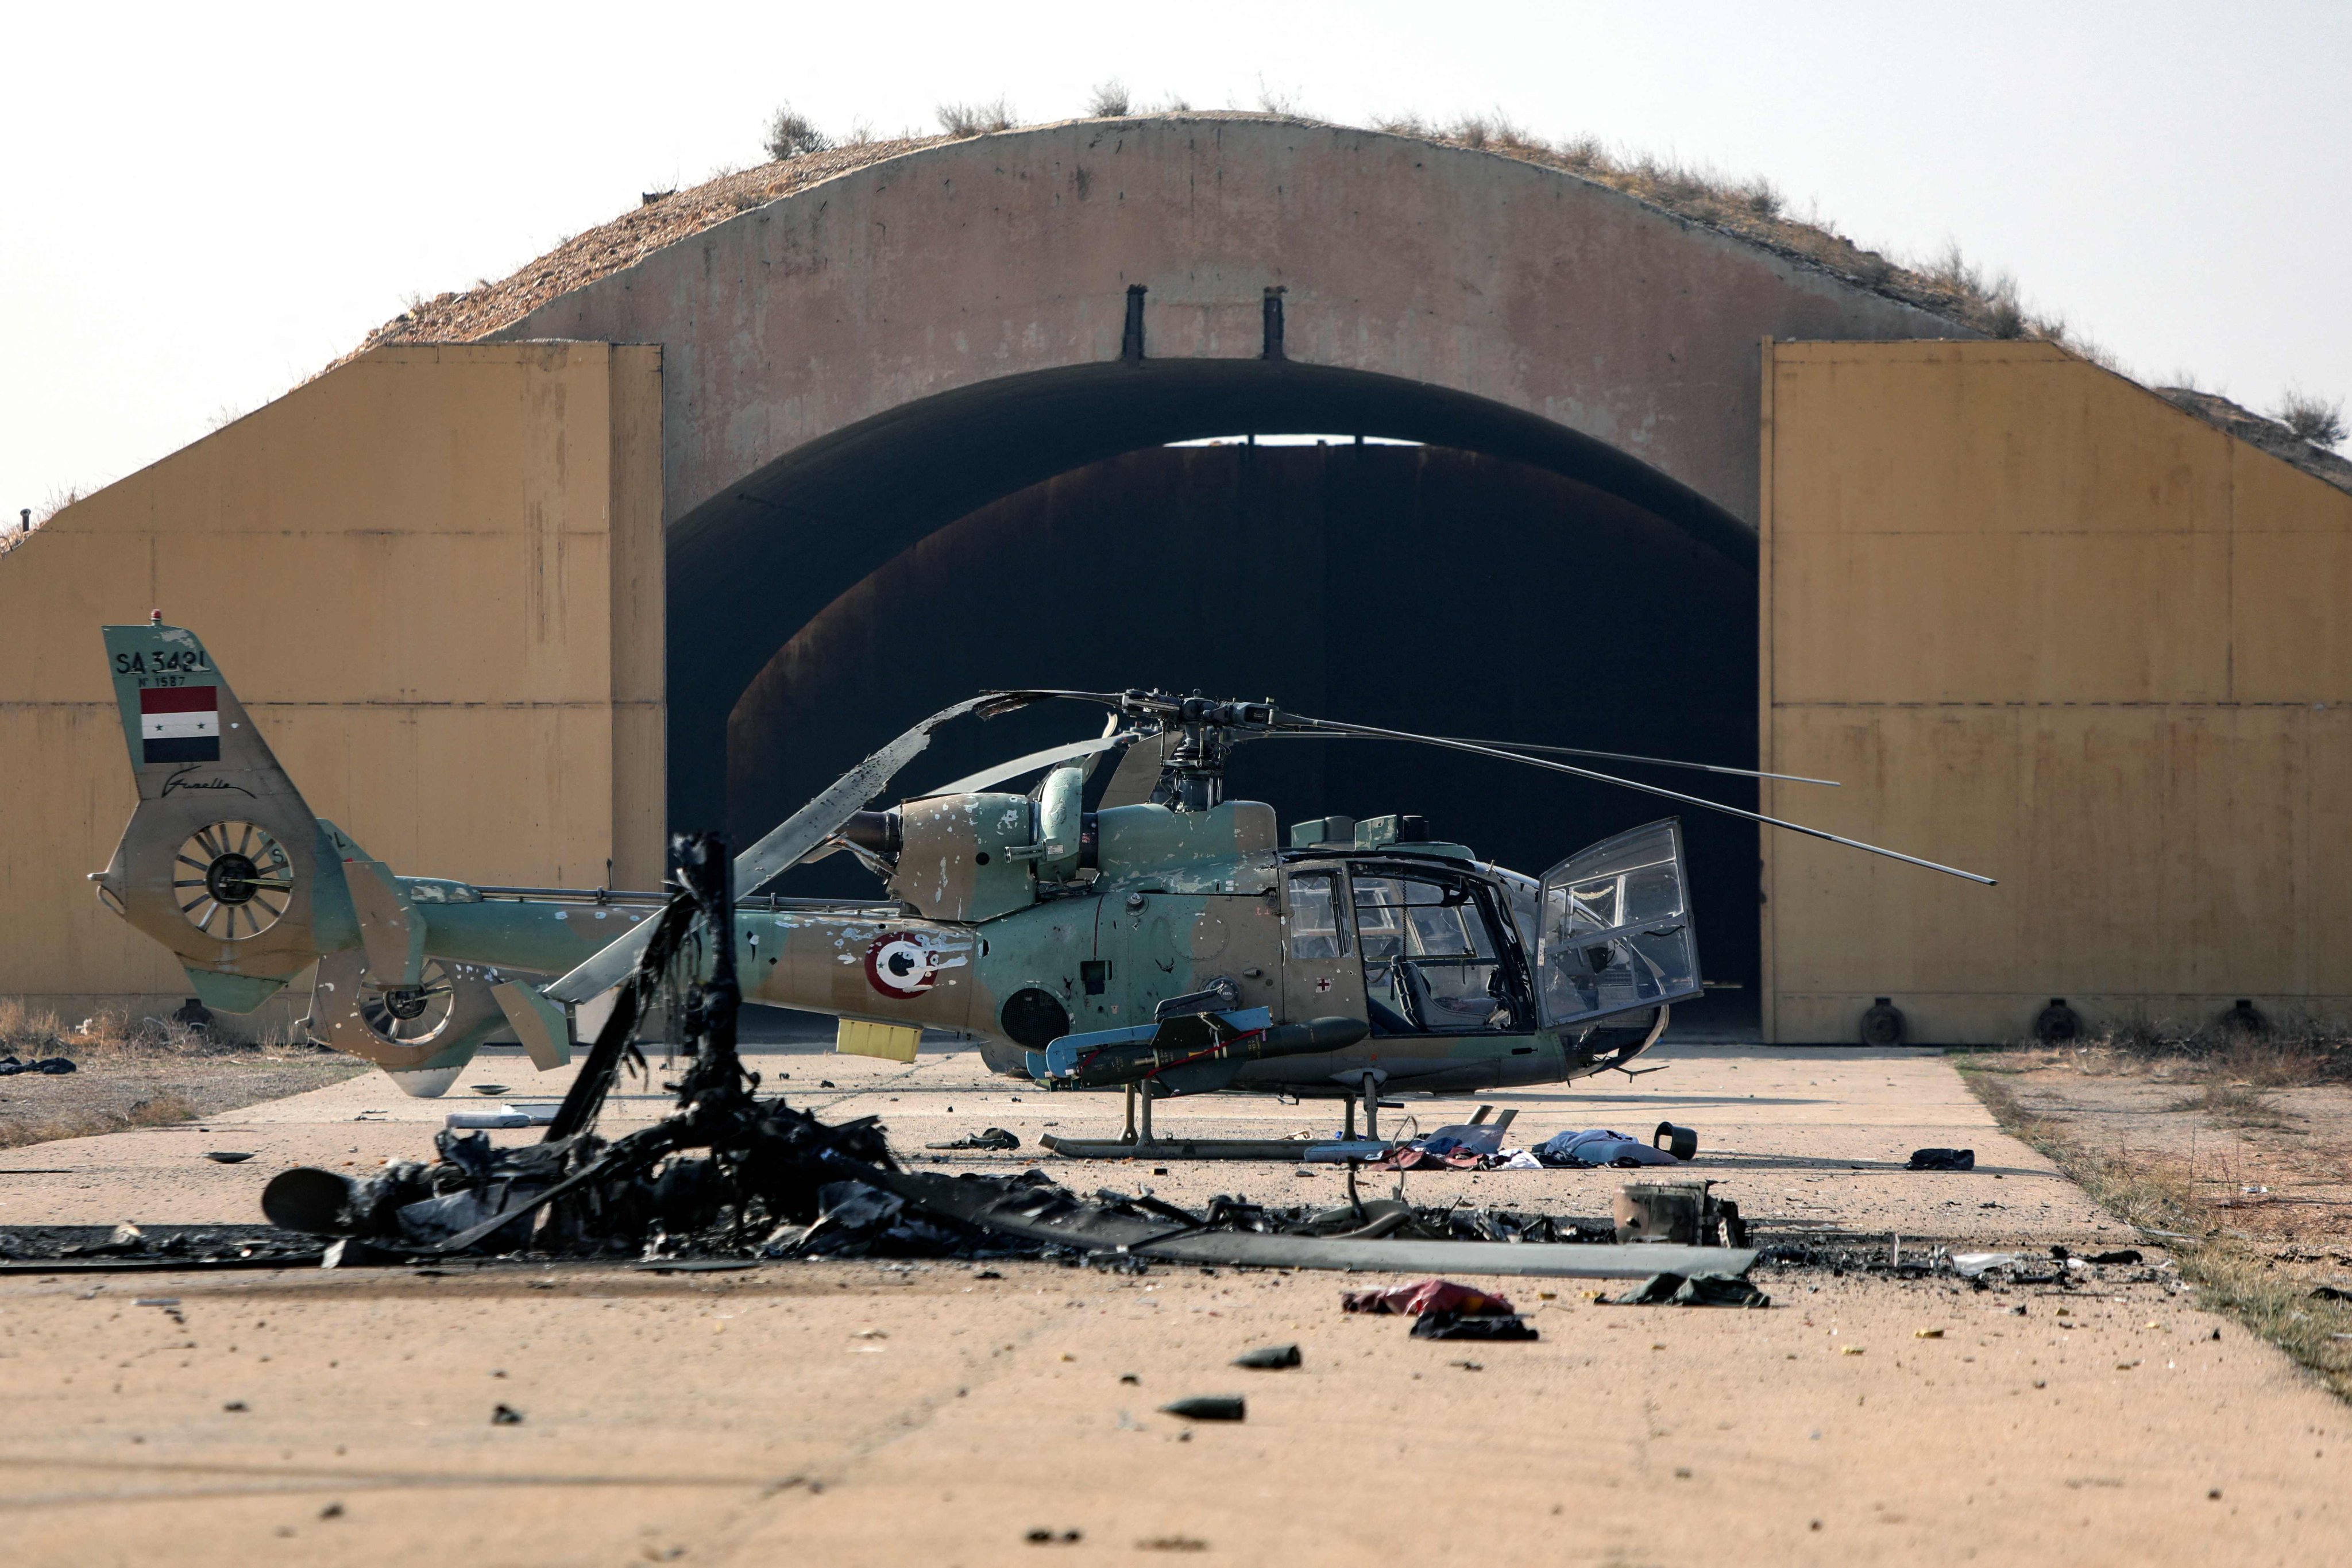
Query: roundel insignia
[(900, 963)]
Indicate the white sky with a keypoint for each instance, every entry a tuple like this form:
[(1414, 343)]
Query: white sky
[(204, 205)]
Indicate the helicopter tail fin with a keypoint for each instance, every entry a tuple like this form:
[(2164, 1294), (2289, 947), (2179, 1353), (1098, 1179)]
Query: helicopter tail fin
[(222, 862)]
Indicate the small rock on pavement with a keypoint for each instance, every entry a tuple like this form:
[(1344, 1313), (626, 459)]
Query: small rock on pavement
[(505, 1416)]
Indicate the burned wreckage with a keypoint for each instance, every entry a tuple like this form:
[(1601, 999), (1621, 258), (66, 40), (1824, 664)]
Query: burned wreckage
[(733, 1174)]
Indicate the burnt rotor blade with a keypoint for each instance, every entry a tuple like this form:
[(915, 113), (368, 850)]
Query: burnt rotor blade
[(1028, 764), (996, 704), (1294, 723), (1521, 746), (772, 856)]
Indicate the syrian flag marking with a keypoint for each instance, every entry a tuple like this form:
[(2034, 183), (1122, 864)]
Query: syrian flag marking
[(180, 723)]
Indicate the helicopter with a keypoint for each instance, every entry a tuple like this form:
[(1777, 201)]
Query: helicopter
[(1170, 942)]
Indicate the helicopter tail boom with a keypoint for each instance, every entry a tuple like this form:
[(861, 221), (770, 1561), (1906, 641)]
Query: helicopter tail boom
[(224, 863)]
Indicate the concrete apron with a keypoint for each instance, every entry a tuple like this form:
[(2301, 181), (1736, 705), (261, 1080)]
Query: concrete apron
[(876, 1413)]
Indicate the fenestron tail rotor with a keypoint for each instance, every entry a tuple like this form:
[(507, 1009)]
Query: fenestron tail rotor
[(410, 1015), (231, 880)]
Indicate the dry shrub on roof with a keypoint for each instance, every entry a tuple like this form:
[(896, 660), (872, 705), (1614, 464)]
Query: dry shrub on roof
[(1582, 154), (2005, 317), (1762, 197), (791, 134), (2314, 419), (1951, 268), (1276, 101), (1109, 101), (976, 118), (1470, 131)]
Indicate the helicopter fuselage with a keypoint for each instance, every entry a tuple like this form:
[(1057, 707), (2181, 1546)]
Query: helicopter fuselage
[(1424, 942)]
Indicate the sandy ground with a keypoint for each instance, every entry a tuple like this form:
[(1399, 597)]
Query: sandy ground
[(867, 1413)]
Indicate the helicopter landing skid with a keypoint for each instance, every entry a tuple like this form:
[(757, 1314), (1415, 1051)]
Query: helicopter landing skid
[(1138, 1142), (1286, 1151)]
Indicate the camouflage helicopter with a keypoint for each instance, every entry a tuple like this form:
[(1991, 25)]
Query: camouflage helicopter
[(1169, 940)]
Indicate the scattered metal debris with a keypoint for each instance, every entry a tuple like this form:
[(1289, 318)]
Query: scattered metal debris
[(1382, 1235), (1675, 1291), (94, 1248), (1685, 1212), (1269, 1358), (1209, 1407), (506, 1116), (995, 1137)]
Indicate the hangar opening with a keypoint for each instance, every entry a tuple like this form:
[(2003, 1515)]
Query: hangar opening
[(1505, 579)]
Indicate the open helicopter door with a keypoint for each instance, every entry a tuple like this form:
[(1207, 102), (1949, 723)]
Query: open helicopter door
[(1614, 928)]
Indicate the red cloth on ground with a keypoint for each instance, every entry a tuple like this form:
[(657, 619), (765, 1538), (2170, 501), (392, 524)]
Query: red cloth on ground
[(1426, 1296)]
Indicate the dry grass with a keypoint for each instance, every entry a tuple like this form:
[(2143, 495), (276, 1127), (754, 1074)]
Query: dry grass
[(2156, 1193), (2236, 1105), (160, 1109), (145, 1072), (2278, 1054), (113, 1037)]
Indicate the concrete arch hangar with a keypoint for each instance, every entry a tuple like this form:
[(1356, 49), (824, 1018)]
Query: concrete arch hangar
[(856, 364)]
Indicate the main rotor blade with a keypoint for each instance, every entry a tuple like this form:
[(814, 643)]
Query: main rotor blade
[(1476, 749), (1653, 761), (1019, 766), (1570, 751), (781, 850)]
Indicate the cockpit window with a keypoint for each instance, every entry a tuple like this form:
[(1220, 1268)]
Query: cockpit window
[(1398, 917), (1315, 931), (1429, 962)]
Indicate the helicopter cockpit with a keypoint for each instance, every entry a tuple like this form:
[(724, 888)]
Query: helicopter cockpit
[(1432, 965)]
